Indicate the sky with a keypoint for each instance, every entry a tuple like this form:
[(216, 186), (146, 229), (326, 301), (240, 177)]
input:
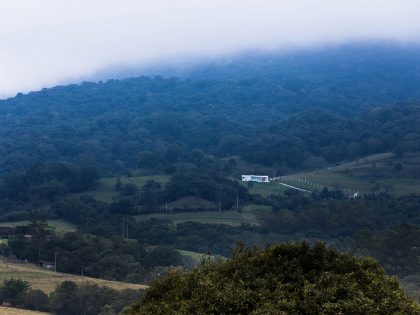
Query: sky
[(48, 42)]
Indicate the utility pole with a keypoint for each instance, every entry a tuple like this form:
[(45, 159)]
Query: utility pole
[(55, 261), (127, 228), (82, 271), (237, 199)]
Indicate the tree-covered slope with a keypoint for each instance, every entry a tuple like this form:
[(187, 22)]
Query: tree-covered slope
[(156, 122), (345, 77), (299, 138)]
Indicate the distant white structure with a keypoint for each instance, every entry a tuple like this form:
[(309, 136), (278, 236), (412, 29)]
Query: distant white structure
[(255, 178)]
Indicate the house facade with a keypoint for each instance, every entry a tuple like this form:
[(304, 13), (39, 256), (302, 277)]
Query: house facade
[(256, 178)]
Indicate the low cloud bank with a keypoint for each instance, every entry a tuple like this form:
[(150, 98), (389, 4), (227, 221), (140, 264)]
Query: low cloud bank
[(47, 42)]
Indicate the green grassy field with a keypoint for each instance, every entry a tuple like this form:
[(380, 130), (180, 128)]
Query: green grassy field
[(105, 189), (196, 257), (47, 280), (265, 189), (60, 226), (376, 173), (232, 217)]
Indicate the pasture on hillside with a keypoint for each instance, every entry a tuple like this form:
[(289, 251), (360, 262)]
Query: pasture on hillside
[(383, 172), (232, 217), (47, 280), (16, 311), (105, 189)]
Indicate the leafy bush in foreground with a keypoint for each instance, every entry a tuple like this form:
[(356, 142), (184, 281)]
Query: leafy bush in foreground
[(290, 278)]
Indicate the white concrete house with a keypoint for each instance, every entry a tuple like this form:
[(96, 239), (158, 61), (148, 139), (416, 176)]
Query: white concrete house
[(255, 178)]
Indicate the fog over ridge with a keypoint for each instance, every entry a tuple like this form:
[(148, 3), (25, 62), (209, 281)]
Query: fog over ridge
[(46, 42)]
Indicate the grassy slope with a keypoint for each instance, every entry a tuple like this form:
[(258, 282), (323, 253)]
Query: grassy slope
[(197, 258), (194, 255), (266, 189), (233, 218), (47, 280), (15, 311), (375, 172), (372, 173), (105, 191)]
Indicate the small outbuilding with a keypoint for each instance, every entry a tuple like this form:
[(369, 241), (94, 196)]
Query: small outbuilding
[(5, 232), (47, 264)]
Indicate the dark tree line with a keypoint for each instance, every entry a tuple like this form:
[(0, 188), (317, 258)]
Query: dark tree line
[(68, 298), (107, 258), (330, 214), (397, 249), (41, 184), (45, 181)]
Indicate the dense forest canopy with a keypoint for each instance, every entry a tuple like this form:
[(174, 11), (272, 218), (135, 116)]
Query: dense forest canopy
[(368, 74), (155, 122)]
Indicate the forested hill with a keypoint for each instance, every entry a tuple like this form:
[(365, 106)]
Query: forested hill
[(346, 78), (299, 138), (264, 114)]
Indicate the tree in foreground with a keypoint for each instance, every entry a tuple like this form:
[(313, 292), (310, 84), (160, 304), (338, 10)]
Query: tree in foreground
[(290, 278)]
